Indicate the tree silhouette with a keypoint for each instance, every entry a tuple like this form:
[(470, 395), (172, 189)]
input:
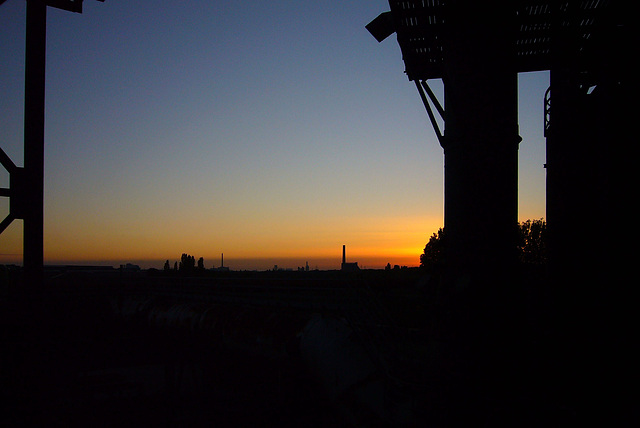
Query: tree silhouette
[(433, 251), (201, 263), (187, 263), (532, 248), (532, 238)]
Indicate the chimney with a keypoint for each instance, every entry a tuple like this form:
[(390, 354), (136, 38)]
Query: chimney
[(344, 256), (222, 260)]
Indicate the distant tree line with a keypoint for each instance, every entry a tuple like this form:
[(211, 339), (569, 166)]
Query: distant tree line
[(531, 245), (532, 241), (186, 265)]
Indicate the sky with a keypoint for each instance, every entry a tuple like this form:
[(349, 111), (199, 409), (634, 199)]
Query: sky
[(271, 131)]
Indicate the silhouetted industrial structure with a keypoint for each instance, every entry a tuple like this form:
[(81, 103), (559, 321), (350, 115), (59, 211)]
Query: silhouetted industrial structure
[(26, 189), (353, 266), (477, 49), (383, 350), (222, 267)]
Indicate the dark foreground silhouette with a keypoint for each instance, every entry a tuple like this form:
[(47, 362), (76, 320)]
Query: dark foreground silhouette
[(366, 348)]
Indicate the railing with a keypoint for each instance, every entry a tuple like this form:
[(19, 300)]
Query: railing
[(547, 111)]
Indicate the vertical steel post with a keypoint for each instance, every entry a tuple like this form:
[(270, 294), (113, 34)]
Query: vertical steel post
[(480, 143), (35, 63), (481, 194)]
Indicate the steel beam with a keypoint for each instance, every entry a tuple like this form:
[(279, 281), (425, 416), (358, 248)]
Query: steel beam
[(35, 63), (480, 143)]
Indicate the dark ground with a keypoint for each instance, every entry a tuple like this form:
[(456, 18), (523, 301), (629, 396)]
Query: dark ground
[(73, 357)]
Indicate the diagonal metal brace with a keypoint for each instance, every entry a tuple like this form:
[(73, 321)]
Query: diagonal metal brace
[(11, 167), (6, 162), (6, 222), (422, 87), (15, 192), (433, 98), (68, 5)]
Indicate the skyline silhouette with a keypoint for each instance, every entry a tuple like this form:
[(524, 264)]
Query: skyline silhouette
[(272, 132), (267, 133)]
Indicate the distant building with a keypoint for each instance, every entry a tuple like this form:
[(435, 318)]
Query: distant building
[(304, 268), (129, 268), (347, 266), (222, 267)]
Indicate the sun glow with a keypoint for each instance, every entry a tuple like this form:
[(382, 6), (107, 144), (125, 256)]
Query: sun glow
[(372, 242)]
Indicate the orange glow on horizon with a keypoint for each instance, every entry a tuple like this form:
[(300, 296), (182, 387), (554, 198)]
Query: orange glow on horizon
[(372, 242), (366, 259)]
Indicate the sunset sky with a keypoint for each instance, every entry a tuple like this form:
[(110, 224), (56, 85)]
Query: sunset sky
[(271, 131)]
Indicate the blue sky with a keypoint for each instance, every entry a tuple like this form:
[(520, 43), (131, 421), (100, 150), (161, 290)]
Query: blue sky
[(262, 129)]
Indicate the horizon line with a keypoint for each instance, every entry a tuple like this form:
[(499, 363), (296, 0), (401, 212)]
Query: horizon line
[(243, 263)]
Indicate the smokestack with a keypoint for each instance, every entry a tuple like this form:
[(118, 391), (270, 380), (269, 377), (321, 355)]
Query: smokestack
[(344, 254), (222, 260)]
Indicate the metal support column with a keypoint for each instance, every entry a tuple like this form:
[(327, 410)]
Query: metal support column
[(34, 139), (480, 144)]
